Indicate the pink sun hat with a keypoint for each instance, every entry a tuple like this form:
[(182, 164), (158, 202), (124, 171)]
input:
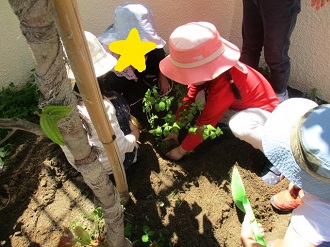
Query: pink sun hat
[(198, 53)]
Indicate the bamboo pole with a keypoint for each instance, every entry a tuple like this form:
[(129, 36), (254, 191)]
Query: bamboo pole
[(73, 38)]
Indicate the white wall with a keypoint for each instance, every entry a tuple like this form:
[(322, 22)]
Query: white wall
[(169, 14), (15, 59), (309, 51)]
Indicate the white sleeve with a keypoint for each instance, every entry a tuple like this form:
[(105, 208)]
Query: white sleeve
[(125, 143)]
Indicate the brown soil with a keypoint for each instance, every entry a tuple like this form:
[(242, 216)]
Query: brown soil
[(189, 201)]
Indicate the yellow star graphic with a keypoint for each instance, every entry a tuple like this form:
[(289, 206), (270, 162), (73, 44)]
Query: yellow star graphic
[(132, 51)]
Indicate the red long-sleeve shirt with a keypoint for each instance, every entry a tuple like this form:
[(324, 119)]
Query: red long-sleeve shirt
[(255, 90)]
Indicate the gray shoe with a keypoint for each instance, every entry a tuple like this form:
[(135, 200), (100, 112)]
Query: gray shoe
[(270, 174), (283, 96)]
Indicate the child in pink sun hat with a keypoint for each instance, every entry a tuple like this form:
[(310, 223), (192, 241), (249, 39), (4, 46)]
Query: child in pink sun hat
[(204, 61)]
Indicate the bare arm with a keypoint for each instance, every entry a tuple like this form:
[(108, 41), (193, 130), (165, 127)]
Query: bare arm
[(247, 237), (291, 238), (135, 130), (176, 153), (163, 84)]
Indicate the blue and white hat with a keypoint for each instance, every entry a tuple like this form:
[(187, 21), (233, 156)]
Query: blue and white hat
[(128, 16), (297, 142)]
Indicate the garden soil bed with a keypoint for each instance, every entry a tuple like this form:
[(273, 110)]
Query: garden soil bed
[(188, 202)]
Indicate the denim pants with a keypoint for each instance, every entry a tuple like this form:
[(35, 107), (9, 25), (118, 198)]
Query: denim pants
[(268, 24)]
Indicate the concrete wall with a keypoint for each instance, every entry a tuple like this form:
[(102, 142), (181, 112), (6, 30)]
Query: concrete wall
[(309, 51)]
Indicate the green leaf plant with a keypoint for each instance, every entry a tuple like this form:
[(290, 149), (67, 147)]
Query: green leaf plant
[(143, 235), (150, 239), (4, 151), (49, 117), (147, 236), (91, 234), (163, 121), (19, 101)]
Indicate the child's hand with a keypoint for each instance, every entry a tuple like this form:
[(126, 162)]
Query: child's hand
[(172, 136), (134, 130), (176, 153), (247, 236), (163, 84)]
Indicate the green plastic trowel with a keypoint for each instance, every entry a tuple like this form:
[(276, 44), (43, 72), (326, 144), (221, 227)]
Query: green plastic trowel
[(242, 202)]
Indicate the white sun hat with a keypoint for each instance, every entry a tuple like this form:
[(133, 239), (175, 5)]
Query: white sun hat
[(128, 16), (102, 60)]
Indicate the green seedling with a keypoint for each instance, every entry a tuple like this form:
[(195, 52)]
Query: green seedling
[(178, 202), (313, 94), (147, 236), (90, 233), (173, 193), (4, 151), (163, 121)]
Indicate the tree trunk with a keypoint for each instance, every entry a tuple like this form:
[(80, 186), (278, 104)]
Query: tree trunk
[(38, 27)]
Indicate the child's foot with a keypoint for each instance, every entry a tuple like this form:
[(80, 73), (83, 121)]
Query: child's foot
[(283, 96), (285, 202), (270, 174)]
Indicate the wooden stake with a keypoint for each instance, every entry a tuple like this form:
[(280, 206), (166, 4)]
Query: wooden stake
[(73, 38)]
